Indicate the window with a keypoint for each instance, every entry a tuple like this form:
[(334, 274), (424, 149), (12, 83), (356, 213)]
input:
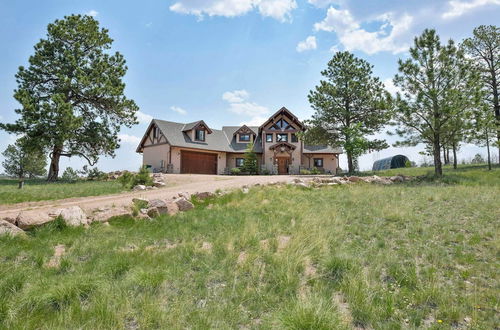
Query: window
[(239, 162), (269, 137), (281, 137), (294, 138), (199, 135), (245, 137), (318, 162), (281, 125), (156, 132)]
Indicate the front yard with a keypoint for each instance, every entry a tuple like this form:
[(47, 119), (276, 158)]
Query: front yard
[(400, 256)]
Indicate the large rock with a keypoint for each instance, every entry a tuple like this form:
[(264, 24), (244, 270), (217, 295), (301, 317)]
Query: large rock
[(6, 228), (30, 219), (102, 215), (159, 184), (170, 208), (12, 219), (73, 216), (139, 187), (204, 195), (183, 204), (397, 178), (355, 179), (157, 203), (185, 195)]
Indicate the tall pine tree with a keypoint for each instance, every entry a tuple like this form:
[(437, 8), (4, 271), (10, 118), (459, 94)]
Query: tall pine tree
[(72, 93)]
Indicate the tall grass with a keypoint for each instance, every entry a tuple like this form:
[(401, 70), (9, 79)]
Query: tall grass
[(390, 257)]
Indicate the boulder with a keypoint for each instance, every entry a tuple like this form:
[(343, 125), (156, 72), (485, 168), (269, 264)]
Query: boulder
[(102, 215), (297, 180), (139, 187), (7, 228), (157, 203), (73, 216), (397, 178), (170, 208), (301, 184), (159, 184), (11, 219), (355, 179), (204, 195), (153, 212), (185, 195), (183, 204), (30, 219)]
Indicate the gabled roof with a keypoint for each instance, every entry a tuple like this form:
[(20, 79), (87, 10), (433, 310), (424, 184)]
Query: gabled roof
[(283, 110), (245, 130), (194, 125)]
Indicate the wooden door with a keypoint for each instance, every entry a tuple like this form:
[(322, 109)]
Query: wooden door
[(198, 162), (282, 165)]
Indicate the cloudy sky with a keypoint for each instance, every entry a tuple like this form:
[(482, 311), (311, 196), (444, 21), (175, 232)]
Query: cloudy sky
[(235, 61)]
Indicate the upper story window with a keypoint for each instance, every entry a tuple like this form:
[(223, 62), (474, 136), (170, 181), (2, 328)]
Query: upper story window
[(245, 137), (294, 138), (199, 135), (156, 132), (281, 137), (269, 137), (281, 125)]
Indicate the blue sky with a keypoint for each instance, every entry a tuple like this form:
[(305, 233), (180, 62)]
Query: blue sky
[(235, 61)]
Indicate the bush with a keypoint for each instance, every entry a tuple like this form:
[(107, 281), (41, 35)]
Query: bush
[(94, 174), (131, 180), (70, 175), (235, 171), (305, 172), (265, 172), (407, 163), (250, 161), (315, 170)]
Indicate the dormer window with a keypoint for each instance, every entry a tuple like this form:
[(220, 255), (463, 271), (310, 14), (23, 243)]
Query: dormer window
[(199, 135), (281, 125), (245, 137)]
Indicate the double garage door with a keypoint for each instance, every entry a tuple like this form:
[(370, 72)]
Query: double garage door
[(198, 162)]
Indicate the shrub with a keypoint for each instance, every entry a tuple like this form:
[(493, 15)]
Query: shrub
[(315, 170), (69, 175), (93, 174), (235, 171), (250, 161), (305, 172), (265, 172), (407, 163), (131, 180)]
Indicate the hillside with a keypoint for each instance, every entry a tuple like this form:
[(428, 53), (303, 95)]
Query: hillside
[(418, 254)]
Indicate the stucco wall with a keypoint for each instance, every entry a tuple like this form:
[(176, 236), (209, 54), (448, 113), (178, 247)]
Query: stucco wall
[(330, 161), (231, 159), (153, 155)]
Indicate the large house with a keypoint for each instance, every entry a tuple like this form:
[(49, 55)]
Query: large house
[(196, 148)]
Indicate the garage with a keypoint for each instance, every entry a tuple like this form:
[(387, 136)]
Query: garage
[(198, 162)]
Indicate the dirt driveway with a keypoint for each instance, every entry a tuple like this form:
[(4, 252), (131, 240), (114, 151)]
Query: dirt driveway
[(177, 183)]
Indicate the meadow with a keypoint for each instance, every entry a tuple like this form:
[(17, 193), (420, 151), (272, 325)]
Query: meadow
[(412, 255), (40, 190)]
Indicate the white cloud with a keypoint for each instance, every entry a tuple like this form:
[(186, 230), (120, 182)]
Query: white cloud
[(144, 118), (353, 37), (129, 139), (323, 3), (239, 104), (149, 24), (390, 87), (277, 9), (308, 44), (179, 110), (334, 49), (235, 96), (458, 8), (92, 13)]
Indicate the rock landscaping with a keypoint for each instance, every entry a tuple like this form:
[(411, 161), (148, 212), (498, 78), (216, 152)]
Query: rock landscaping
[(147, 209)]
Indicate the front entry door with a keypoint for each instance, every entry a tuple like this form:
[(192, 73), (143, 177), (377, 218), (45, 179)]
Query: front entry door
[(282, 165)]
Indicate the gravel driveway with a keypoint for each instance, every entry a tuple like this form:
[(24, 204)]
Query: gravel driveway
[(190, 183)]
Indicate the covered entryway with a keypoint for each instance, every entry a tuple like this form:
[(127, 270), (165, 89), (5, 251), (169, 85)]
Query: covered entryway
[(198, 162)]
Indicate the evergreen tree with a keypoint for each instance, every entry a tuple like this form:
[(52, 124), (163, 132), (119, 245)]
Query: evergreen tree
[(439, 88), (484, 48), (22, 161), (349, 105), (71, 94), (250, 160)]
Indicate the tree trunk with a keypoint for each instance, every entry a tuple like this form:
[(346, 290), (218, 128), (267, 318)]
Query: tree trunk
[(447, 156), (350, 164), (21, 183), (488, 150), (444, 156), (455, 156), (438, 169), (54, 164)]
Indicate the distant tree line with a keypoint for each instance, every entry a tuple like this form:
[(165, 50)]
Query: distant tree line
[(448, 96)]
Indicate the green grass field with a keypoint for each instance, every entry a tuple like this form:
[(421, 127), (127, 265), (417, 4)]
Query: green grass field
[(413, 255), (40, 190)]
